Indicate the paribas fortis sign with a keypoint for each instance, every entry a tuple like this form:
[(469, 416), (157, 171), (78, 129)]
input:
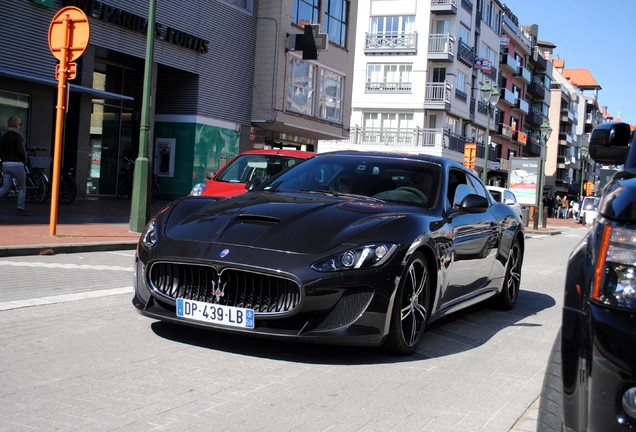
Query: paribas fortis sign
[(119, 17)]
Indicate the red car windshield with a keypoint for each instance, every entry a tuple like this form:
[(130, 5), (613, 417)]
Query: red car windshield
[(250, 166)]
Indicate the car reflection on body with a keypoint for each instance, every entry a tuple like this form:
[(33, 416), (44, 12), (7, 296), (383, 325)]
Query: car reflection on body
[(507, 197), (301, 257), (248, 166)]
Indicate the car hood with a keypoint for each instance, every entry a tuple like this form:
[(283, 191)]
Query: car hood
[(282, 222)]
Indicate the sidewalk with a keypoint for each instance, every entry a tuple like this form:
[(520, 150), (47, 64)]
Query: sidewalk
[(84, 225), (102, 224)]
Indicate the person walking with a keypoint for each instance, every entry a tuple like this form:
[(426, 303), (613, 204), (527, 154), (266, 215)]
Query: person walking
[(14, 156)]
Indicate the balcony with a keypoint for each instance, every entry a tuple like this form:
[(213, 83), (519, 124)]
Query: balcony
[(536, 89), (388, 43), (437, 96), (521, 106), (520, 137), (539, 62), (504, 164), (505, 131), (441, 47), (492, 75), (468, 6), (567, 116), (417, 137), (507, 97), (466, 54), (523, 74), (534, 117), (388, 87), (444, 7), (508, 63)]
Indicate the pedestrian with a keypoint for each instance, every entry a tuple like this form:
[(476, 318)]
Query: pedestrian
[(14, 157), (558, 206)]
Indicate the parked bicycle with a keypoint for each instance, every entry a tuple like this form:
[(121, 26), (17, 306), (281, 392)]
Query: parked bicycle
[(37, 183), (125, 180), (67, 191)]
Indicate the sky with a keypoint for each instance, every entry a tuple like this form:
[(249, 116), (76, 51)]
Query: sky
[(594, 35)]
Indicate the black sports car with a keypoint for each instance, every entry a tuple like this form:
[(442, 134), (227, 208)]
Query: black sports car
[(345, 247), (591, 380)]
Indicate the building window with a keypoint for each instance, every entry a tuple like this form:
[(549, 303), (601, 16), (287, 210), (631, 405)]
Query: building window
[(392, 25), (331, 96), (300, 86), (305, 12), (304, 81), (336, 17), (389, 77), (15, 104), (245, 5)]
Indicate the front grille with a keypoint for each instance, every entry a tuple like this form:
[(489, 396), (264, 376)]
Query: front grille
[(230, 287)]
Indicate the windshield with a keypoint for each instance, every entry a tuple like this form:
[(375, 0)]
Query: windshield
[(251, 166), (590, 203), (389, 179)]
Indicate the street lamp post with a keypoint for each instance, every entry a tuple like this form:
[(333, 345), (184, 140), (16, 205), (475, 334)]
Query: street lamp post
[(489, 95), (546, 131)]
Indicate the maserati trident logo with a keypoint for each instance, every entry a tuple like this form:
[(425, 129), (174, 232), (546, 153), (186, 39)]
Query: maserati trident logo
[(218, 289)]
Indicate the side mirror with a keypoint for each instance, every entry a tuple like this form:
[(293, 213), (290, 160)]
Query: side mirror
[(609, 143), (474, 203), (209, 174), (253, 184)]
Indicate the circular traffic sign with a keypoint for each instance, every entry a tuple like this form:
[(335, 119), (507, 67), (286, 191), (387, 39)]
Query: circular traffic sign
[(69, 34)]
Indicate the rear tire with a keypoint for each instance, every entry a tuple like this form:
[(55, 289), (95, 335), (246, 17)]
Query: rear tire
[(40, 190), (68, 190), (512, 282), (411, 308)]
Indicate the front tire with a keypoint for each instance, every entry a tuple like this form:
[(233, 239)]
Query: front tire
[(411, 308), (508, 296)]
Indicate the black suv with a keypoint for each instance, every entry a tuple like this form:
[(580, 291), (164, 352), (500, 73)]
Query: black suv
[(590, 382)]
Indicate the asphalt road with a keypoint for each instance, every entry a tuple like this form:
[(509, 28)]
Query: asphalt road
[(74, 355)]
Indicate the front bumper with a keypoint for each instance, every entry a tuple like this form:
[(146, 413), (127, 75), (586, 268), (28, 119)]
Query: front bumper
[(334, 309)]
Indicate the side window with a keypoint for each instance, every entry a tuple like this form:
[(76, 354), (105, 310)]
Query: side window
[(458, 187), (508, 196), (478, 187)]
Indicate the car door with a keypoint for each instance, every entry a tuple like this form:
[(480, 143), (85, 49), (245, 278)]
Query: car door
[(474, 237)]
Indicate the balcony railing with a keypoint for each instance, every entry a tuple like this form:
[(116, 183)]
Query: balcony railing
[(466, 54), (522, 106), (505, 131), (441, 47), (536, 89), (524, 74), (444, 7), (437, 95), (509, 62), (388, 87), (508, 97), (520, 137), (391, 42), (540, 63)]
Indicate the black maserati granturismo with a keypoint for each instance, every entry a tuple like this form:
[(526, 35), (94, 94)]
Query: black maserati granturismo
[(356, 248)]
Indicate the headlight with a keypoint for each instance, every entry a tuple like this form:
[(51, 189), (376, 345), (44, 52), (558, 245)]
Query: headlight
[(149, 236), (615, 273), (197, 189), (371, 255)]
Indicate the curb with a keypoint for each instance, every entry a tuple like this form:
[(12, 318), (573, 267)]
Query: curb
[(53, 249)]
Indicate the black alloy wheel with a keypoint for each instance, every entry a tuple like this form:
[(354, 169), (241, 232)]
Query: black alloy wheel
[(411, 308), (512, 282)]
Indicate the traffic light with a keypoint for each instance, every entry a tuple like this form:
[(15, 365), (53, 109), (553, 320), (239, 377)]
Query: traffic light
[(470, 151)]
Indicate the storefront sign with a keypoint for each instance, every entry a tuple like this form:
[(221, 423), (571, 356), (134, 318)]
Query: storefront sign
[(523, 179), (130, 21)]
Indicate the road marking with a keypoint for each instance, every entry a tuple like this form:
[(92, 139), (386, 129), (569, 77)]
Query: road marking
[(65, 266), (63, 298)]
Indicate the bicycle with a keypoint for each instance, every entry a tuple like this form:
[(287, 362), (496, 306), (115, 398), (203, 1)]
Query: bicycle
[(125, 181), (67, 188), (37, 183)]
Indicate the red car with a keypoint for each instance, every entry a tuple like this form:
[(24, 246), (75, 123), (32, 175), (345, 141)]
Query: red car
[(247, 166)]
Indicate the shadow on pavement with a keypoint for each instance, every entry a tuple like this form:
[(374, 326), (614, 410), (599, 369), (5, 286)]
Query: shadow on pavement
[(459, 332)]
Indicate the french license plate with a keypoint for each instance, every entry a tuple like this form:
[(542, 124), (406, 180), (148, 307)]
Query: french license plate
[(214, 313)]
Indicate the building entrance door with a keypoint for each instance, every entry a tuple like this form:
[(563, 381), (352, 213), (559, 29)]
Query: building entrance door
[(111, 153)]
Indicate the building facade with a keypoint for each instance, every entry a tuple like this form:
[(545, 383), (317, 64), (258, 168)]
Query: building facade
[(419, 68), (225, 79)]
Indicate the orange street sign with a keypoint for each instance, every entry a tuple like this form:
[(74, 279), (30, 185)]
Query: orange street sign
[(69, 34)]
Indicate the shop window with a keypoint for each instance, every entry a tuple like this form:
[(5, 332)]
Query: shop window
[(14, 104), (245, 5)]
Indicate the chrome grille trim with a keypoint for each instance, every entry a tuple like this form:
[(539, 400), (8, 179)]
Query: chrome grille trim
[(266, 294)]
